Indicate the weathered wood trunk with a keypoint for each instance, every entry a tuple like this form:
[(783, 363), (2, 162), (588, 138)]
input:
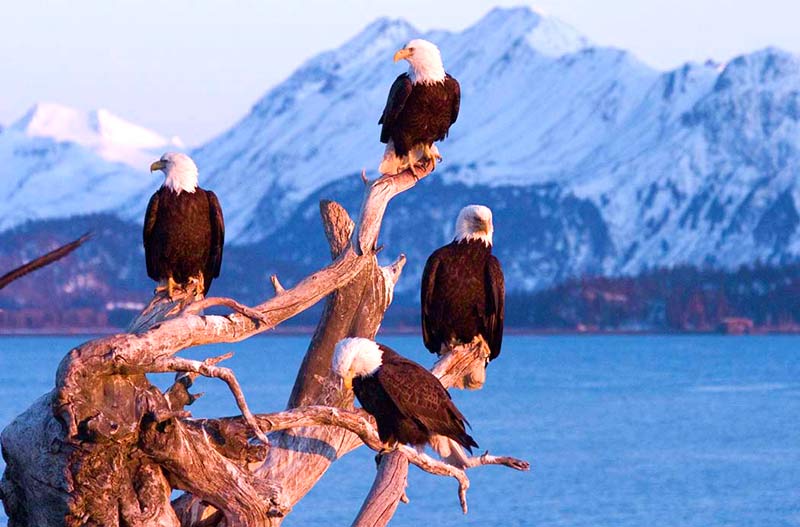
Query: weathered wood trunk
[(105, 447)]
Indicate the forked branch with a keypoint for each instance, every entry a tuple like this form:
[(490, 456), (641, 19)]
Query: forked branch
[(363, 425), (461, 366), (208, 368)]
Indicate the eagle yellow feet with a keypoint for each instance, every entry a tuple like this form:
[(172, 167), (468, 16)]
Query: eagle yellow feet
[(413, 168), (168, 287), (431, 153), (415, 159), (196, 285), (388, 448), (193, 288)]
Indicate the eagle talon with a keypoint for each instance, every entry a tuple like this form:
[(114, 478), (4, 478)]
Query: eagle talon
[(168, 288), (171, 284), (386, 449)]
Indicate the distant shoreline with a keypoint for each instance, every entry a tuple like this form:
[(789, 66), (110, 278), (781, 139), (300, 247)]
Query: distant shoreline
[(309, 330)]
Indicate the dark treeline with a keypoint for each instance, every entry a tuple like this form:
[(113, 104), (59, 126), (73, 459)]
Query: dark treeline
[(103, 285), (684, 298)]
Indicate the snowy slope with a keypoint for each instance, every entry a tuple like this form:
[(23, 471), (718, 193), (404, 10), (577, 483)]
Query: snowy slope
[(58, 162), (706, 172)]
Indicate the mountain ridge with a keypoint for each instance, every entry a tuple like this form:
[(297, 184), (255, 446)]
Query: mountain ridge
[(622, 166)]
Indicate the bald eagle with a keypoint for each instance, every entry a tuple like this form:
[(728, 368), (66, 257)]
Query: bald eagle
[(183, 228), (422, 105), (408, 402), (463, 291)]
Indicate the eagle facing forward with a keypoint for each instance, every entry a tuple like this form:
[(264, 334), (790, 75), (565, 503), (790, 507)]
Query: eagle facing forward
[(463, 289), (422, 105), (183, 228)]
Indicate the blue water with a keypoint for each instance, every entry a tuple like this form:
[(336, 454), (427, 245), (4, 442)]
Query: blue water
[(621, 431)]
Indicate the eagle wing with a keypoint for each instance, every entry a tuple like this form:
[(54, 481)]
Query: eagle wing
[(454, 88), (420, 396), (430, 335), (495, 306), (150, 256), (398, 94), (217, 235)]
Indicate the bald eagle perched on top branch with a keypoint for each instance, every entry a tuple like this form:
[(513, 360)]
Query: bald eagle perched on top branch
[(422, 105)]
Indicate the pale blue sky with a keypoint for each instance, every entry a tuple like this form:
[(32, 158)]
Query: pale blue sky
[(194, 67)]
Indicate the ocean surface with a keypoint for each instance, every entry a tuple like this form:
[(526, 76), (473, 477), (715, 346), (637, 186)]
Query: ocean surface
[(620, 431)]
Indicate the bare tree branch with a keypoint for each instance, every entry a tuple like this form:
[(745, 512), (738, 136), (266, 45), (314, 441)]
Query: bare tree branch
[(463, 366), (363, 425), (43, 260), (208, 368), (276, 284), (205, 303), (380, 504)]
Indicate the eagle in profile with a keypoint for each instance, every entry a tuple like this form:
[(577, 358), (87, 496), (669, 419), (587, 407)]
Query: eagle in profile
[(422, 105), (408, 402), (463, 291), (183, 228)]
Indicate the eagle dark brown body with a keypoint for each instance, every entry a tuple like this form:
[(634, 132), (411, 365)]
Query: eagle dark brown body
[(462, 296), (409, 403), (183, 236), (419, 113)]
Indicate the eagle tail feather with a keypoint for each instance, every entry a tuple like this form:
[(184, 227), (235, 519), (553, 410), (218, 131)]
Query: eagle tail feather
[(450, 449)]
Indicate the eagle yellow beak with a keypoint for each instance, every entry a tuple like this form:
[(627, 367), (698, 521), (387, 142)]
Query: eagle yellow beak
[(402, 54), (158, 165), (348, 383)]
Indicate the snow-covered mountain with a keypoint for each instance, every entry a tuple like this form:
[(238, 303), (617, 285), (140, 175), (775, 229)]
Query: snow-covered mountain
[(58, 162), (109, 136), (693, 165), (321, 123), (593, 161), (706, 169)]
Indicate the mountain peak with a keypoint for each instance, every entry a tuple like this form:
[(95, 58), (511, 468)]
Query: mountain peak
[(378, 34), (385, 24), (53, 120), (503, 15), (114, 138), (763, 67), (545, 34)]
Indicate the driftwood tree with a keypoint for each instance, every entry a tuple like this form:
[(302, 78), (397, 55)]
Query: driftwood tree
[(106, 447)]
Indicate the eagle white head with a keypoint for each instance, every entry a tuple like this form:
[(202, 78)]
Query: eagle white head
[(425, 61), (475, 223), (356, 357), (180, 171)]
